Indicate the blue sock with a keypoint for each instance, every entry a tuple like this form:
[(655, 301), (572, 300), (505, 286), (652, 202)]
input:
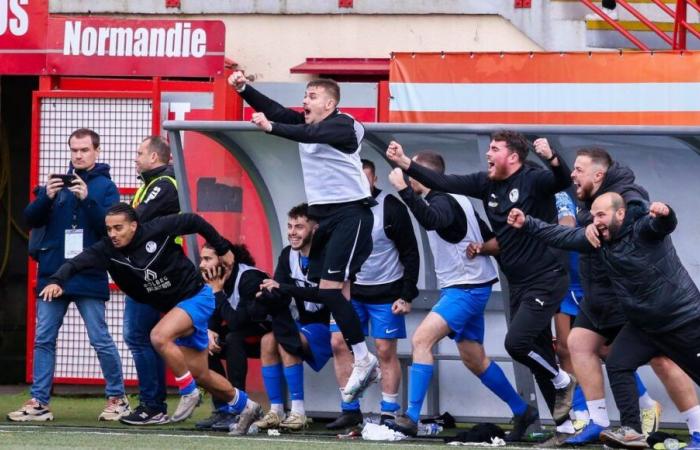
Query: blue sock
[(272, 378), (389, 407), (494, 379), (579, 401), (295, 381), (419, 376), (239, 404), (352, 406), (641, 389)]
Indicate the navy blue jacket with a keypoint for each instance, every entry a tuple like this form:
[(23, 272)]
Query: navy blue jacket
[(60, 214)]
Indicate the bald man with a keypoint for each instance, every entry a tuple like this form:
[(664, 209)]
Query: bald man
[(660, 299)]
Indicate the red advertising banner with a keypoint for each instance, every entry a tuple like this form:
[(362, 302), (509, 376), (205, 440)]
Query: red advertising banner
[(123, 47), (32, 43), (23, 26), (604, 88)]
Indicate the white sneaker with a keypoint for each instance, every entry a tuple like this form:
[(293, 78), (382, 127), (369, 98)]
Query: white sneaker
[(612, 13), (251, 413), (116, 408), (32, 410), (363, 373), (186, 406)]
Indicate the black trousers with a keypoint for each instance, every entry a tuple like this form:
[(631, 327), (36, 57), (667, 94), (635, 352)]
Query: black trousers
[(236, 347), (529, 338), (634, 347)]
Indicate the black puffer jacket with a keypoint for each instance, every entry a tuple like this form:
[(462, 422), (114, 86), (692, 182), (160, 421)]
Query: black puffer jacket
[(600, 303), (654, 289)]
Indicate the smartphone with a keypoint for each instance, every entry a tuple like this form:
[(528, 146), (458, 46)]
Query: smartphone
[(66, 178)]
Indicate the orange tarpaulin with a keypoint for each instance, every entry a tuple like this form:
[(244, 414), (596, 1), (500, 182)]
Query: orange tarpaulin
[(546, 88)]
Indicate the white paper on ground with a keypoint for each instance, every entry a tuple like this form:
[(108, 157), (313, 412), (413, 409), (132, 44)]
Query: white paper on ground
[(375, 432)]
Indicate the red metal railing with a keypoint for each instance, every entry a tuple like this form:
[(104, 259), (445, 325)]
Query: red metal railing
[(680, 25)]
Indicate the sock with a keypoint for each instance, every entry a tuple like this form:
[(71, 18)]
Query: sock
[(418, 383), (390, 403), (219, 405), (598, 411), (185, 383), (352, 406), (566, 427), (277, 408), (295, 381), (692, 419), (272, 379), (239, 402), (494, 379), (561, 379), (298, 407), (578, 405), (645, 400), (360, 350)]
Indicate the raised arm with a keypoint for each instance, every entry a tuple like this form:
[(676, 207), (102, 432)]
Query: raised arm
[(272, 110), (660, 222), (559, 178), (189, 223), (557, 236)]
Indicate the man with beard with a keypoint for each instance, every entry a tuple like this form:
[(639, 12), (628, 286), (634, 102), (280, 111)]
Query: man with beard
[(537, 280), (601, 316), (339, 199), (660, 300), (146, 263), (309, 339), (465, 287), (234, 333)]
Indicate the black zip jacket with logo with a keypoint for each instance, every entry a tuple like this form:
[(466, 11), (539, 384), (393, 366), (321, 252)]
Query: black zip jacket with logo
[(654, 289), (523, 259), (600, 303), (160, 199), (152, 269)]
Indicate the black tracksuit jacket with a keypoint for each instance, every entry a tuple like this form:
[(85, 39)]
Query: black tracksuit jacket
[(152, 269)]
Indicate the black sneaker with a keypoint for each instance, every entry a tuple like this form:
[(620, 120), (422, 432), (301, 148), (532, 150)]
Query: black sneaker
[(346, 419), (224, 425), (403, 424), (563, 400), (143, 415), (520, 424), (216, 416), (386, 416)]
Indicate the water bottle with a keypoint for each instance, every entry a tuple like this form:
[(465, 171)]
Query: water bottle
[(671, 444), (428, 429)]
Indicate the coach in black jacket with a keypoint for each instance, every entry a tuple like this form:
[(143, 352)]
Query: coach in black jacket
[(660, 300), (537, 280), (146, 263)]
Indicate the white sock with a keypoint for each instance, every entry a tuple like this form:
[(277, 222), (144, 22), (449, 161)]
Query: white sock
[(561, 380), (599, 412), (360, 351), (566, 427), (582, 415), (390, 398), (298, 407), (277, 408), (692, 418), (646, 402), (234, 400)]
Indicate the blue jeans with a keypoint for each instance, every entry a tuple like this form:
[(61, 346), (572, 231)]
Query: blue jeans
[(139, 320), (49, 318)]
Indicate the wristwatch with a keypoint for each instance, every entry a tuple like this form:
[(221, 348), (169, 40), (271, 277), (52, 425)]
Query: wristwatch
[(551, 158)]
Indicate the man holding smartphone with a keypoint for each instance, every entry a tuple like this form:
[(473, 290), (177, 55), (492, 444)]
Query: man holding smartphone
[(72, 210)]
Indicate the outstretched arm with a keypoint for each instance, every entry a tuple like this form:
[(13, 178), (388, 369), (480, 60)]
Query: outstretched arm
[(93, 257), (558, 236), (660, 222)]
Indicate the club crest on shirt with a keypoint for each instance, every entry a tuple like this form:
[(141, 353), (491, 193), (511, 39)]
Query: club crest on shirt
[(514, 195), (150, 275), (151, 246)]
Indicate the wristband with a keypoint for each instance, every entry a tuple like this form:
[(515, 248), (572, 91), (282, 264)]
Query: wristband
[(550, 159)]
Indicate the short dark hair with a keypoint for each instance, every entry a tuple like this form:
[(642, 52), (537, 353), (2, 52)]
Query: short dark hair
[(82, 132), (240, 252), (123, 208), (300, 210), (329, 85), (367, 164), (159, 146), (515, 142), (598, 156), (431, 159)]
